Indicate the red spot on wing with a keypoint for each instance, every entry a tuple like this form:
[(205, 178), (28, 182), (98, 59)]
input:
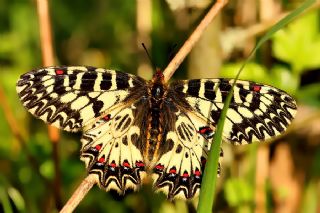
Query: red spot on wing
[(172, 171), (113, 165), (139, 164), (197, 173), (101, 160), (205, 130), (98, 147), (185, 175), (106, 117), (126, 164), (159, 166), (256, 88), (59, 72)]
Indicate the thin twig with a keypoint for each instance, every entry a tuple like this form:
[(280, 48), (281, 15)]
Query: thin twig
[(48, 59), (194, 37), (79, 194)]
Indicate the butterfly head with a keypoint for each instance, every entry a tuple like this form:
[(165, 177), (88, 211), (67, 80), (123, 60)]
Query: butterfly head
[(158, 76)]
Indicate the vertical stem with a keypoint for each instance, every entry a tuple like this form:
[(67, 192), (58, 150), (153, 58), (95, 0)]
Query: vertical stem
[(262, 171), (45, 32), (48, 59)]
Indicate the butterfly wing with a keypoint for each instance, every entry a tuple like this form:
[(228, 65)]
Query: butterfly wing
[(178, 172), (102, 104), (71, 97), (111, 147), (256, 113)]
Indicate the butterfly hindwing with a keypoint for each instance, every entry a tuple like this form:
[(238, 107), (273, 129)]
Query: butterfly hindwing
[(110, 149), (178, 172), (70, 97), (256, 113)]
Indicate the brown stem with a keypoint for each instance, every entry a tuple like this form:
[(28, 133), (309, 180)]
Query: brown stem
[(45, 32), (48, 59), (194, 37), (79, 194)]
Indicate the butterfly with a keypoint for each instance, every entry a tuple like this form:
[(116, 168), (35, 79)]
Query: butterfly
[(134, 129)]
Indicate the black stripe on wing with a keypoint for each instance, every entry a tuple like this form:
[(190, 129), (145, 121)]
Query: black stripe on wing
[(69, 97), (256, 113)]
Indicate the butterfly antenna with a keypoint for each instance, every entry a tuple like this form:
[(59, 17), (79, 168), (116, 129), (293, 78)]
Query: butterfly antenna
[(151, 61)]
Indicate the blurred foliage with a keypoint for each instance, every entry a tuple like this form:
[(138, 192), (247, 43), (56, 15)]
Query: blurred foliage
[(103, 34), (299, 43)]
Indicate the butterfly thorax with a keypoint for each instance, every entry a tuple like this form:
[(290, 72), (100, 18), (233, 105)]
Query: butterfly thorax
[(157, 93)]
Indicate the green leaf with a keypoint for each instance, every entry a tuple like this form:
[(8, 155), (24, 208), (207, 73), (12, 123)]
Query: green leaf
[(209, 179), (299, 43)]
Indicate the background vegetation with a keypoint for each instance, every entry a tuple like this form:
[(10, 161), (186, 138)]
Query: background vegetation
[(280, 176)]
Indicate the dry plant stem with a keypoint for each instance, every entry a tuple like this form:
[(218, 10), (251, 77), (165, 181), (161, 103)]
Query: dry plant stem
[(187, 46), (48, 59), (79, 194), (262, 170)]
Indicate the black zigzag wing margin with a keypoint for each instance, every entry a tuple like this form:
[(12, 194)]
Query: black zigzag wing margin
[(111, 147)]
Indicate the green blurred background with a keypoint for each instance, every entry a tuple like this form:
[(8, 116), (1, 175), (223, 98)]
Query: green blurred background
[(279, 176)]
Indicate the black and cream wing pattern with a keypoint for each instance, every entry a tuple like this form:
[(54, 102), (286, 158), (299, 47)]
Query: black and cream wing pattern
[(133, 129)]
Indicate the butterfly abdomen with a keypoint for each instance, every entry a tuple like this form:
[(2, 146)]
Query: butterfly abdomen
[(155, 120)]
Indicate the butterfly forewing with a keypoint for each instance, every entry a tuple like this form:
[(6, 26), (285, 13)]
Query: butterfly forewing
[(256, 113), (71, 97)]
